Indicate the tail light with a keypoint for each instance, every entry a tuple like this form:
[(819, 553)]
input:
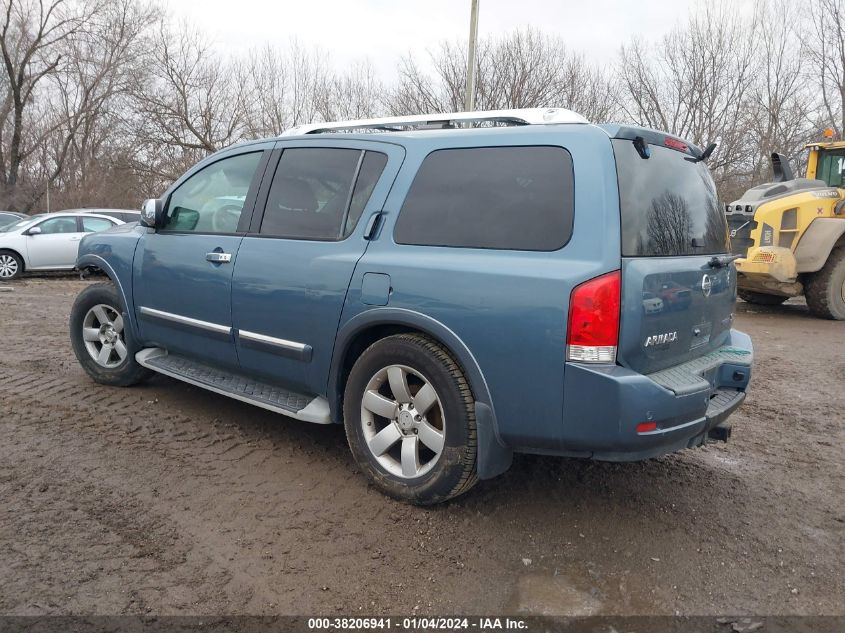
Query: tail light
[(594, 308)]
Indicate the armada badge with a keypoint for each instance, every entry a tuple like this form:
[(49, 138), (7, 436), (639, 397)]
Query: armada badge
[(660, 339)]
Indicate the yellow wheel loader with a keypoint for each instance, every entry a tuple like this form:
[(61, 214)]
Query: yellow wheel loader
[(790, 234)]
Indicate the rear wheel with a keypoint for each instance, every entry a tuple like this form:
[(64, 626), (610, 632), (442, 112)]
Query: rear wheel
[(410, 420), (761, 299), (102, 340), (825, 290), (11, 265)]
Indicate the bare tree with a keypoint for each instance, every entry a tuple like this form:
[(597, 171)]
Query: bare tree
[(90, 91), (417, 92), (286, 88), (31, 32), (779, 90), (669, 225), (105, 101), (696, 84), (826, 52), (189, 104), (354, 94), (525, 69)]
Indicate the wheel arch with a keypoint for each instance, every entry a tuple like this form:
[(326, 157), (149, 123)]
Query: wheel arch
[(817, 242), (370, 326), (91, 261)]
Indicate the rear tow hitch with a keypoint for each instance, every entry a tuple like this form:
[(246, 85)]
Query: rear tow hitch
[(720, 433)]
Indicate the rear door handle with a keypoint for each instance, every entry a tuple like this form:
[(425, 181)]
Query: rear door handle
[(372, 225), (218, 258)]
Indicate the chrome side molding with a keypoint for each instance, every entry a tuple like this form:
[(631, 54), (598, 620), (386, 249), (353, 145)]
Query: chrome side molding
[(183, 320), (300, 351), (280, 346)]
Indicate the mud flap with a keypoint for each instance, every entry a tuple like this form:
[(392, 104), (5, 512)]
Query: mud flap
[(493, 457)]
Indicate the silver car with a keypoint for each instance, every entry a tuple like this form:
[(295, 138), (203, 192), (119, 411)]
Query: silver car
[(10, 217), (49, 241), (126, 215)]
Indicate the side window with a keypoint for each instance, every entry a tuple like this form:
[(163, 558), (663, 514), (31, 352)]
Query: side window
[(92, 225), (371, 168), (211, 201), (311, 192), (514, 198), (58, 225), (831, 165)]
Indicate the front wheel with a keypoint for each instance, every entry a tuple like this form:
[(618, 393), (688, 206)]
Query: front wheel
[(101, 339), (825, 290), (410, 420), (11, 266)]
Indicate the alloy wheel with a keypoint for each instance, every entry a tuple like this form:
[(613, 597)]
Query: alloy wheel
[(102, 332), (403, 422)]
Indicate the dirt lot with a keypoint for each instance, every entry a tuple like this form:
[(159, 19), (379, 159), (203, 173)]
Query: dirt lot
[(168, 499)]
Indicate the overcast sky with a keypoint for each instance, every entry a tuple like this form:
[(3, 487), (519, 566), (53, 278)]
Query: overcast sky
[(384, 30)]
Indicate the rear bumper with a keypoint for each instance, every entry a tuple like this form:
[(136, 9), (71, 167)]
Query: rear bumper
[(604, 404)]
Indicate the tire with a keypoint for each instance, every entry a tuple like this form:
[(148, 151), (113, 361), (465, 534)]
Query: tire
[(447, 420), (825, 290), (760, 299), (103, 344), (11, 265)]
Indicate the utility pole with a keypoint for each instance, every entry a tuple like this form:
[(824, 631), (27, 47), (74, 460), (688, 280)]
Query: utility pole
[(469, 100)]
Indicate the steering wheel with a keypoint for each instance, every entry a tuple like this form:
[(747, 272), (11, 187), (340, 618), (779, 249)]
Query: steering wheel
[(225, 219)]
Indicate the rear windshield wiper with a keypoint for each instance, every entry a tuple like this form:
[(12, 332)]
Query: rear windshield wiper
[(642, 147), (704, 155), (721, 262)]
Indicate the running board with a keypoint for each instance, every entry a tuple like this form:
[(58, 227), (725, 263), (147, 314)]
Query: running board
[(261, 394)]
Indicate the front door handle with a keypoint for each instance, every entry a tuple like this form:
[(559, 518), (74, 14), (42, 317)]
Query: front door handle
[(218, 258)]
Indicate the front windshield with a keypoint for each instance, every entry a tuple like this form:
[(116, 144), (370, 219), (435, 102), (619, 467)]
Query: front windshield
[(830, 167), (21, 224)]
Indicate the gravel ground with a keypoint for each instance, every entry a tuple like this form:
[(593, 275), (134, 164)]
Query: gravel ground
[(167, 499)]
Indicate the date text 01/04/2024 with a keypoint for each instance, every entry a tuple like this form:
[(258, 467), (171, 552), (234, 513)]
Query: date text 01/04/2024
[(417, 623)]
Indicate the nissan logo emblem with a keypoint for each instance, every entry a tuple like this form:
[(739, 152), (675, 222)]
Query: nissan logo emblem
[(706, 285)]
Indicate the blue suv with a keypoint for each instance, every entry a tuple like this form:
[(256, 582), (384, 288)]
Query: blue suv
[(452, 288)]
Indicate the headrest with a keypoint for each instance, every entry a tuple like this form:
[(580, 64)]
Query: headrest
[(295, 194)]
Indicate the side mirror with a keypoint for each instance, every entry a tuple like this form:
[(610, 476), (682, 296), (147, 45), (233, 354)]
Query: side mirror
[(182, 219), (152, 212), (35, 230)]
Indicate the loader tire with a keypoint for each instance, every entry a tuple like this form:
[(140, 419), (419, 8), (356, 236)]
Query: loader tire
[(760, 298), (825, 290)]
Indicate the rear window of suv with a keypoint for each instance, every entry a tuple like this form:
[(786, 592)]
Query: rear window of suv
[(669, 204), (510, 198)]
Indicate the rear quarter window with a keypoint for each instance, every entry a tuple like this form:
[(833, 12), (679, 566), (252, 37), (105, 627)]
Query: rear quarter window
[(510, 198)]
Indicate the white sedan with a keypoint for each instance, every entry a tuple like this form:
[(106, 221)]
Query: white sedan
[(49, 241)]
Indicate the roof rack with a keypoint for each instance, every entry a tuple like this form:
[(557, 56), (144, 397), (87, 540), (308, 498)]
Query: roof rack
[(482, 118)]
